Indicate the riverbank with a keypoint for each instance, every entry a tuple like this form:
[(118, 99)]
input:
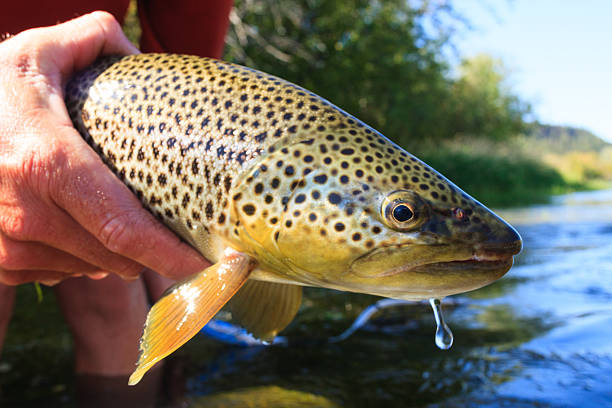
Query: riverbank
[(516, 173)]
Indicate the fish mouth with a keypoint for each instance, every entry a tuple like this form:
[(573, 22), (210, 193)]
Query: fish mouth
[(435, 259), (497, 250), (484, 258), (424, 271), (472, 265), (478, 263)]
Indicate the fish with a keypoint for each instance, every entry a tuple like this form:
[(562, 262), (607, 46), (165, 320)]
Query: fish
[(279, 189)]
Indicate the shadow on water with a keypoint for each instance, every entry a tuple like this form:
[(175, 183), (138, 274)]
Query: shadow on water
[(538, 337)]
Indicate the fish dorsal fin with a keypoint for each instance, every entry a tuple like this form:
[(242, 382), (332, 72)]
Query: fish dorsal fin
[(265, 308), (187, 306)]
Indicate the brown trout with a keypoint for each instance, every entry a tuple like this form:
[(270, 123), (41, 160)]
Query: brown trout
[(280, 189)]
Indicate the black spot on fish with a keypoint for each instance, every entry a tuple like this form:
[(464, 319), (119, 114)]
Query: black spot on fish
[(320, 179), (334, 198), (185, 201), (241, 157), (220, 151), (209, 210), (249, 209), (205, 123)]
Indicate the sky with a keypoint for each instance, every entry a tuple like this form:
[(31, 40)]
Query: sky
[(559, 53)]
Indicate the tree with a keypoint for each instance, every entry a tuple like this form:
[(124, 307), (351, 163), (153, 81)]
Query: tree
[(484, 104), (382, 61)]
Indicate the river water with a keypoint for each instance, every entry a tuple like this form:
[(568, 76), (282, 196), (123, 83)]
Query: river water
[(539, 337)]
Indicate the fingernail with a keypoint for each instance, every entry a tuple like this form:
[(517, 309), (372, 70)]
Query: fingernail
[(50, 282), (97, 275)]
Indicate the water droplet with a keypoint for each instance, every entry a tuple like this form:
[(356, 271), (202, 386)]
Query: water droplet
[(444, 335)]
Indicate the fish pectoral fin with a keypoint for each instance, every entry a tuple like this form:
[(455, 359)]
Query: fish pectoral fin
[(187, 306), (265, 308)]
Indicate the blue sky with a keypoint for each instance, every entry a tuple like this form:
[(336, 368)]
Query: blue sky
[(559, 53)]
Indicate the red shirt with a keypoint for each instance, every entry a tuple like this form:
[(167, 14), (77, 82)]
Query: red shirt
[(184, 26)]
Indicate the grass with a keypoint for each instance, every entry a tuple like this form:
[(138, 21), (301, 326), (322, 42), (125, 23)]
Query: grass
[(496, 180), (515, 174), (581, 167)]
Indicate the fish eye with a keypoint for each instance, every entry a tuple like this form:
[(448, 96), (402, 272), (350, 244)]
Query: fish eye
[(403, 210), (402, 213)]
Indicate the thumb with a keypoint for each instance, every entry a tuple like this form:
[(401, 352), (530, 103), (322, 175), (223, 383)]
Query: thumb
[(52, 54), (82, 40)]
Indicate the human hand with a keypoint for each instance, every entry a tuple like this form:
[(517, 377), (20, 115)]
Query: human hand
[(62, 211)]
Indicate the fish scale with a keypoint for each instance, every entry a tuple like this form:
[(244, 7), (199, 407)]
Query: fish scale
[(179, 130), (171, 127), (276, 186)]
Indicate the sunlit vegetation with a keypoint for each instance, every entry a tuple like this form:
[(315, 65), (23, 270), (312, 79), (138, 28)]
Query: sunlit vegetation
[(388, 64), (582, 158), (497, 179)]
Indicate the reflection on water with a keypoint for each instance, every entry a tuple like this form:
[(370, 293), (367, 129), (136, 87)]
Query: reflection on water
[(583, 207), (542, 336)]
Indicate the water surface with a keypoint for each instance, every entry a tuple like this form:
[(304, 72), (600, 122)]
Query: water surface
[(540, 337)]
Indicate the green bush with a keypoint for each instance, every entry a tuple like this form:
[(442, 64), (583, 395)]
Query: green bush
[(498, 179)]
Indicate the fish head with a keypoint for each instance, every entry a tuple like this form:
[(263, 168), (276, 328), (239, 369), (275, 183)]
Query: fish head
[(432, 246), (356, 212)]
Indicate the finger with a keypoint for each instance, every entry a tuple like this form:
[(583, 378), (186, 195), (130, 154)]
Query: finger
[(81, 40), (62, 232), (33, 216), (17, 256), (97, 275), (90, 193), (50, 282), (12, 278)]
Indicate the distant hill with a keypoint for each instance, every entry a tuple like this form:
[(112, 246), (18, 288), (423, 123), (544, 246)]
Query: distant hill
[(565, 139)]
